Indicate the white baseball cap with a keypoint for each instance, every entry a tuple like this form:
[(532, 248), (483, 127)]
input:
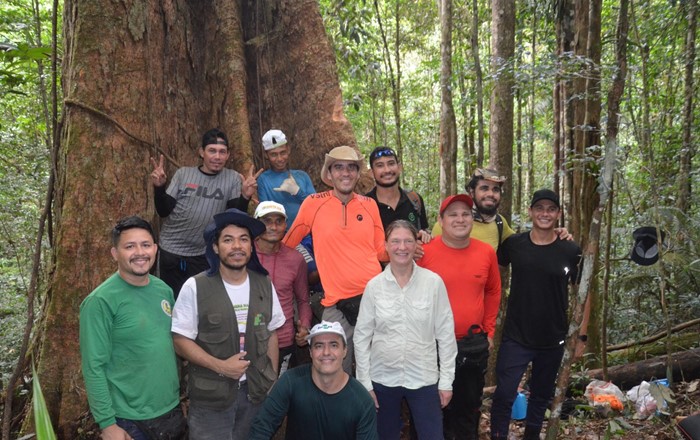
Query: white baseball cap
[(327, 327), (273, 139), (269, 207)]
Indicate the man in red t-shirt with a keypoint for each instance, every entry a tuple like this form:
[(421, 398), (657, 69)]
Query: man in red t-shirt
[(469, 269)]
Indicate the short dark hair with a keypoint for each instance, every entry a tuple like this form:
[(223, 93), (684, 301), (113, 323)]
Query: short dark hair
[(401, 224), (212, 137), (131, 222), (381, 151)]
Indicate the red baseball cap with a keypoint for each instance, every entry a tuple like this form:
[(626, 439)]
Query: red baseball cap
[(456, 198)]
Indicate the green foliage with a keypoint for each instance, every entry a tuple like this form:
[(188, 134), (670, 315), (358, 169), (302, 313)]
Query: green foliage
[(24, 159), (42, 420)]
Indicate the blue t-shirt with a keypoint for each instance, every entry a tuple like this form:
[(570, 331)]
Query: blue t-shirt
[(269, 180)]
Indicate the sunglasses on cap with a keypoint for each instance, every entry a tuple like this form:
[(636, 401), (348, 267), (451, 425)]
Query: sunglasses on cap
[(384, 152)]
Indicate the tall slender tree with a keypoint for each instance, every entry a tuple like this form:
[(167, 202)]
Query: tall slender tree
[(448, 124), (688, 149)]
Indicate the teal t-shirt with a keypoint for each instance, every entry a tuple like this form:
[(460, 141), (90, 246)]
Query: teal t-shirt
[(127, 352)]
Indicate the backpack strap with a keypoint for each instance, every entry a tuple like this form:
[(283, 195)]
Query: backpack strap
[(499, 225), (415, 201)]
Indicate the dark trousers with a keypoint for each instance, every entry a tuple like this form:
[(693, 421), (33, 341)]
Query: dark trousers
[(424, 403), (461, 417), (513, 359), (131, 429), (176, 269)]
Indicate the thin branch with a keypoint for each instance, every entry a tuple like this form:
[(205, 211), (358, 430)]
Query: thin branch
[(121, 128)]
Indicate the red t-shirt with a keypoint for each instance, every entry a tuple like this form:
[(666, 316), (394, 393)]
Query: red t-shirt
[(472, 279)]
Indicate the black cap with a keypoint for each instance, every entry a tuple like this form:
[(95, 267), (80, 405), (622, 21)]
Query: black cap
[(545, 194)]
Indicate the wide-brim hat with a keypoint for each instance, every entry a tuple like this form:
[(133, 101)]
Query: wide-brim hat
[(238, 218), (645, 251), (339, 153)]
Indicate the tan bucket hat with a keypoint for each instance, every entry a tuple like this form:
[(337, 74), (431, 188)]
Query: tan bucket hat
[(340, 153)]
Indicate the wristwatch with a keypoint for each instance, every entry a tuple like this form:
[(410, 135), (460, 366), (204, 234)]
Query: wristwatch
[(583, 338)]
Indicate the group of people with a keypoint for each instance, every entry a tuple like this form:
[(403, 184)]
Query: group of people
[(408, 314)]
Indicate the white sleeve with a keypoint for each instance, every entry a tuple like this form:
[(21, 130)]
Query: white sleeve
[(277, 319), (185, 314)]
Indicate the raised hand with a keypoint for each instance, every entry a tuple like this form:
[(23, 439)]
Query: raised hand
[(158, 176), (289, 185), (250, 182)]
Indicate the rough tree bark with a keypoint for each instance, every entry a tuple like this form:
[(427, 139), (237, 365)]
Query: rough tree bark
[(448, 124), (590, 253), (688, 150), (501, 124), (141, 78)]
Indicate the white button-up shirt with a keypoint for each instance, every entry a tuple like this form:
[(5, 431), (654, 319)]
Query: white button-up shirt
[(397, 330)]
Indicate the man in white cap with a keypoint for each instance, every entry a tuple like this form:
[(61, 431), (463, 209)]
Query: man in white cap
[(280, 184), (320, 400), (287, 269), (348, 239)]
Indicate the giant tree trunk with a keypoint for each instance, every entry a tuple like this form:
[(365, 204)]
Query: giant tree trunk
[(141, 78), (293, 82)]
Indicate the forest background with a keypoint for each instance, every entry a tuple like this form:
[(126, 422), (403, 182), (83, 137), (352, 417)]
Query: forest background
[(526, 86)]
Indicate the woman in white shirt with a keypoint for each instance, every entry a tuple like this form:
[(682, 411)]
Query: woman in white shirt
[(404, 312)]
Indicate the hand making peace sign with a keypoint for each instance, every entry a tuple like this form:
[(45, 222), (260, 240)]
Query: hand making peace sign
[(158, 176), (250, 183)]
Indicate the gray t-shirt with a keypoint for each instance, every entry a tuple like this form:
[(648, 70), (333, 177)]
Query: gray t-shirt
[(199, 196)]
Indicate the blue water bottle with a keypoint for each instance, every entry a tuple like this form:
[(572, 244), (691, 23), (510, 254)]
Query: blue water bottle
[(519, 407)]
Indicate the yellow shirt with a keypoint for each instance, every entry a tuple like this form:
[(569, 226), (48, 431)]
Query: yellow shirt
[(486, 232)]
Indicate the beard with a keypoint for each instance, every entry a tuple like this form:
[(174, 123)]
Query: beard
[(239, 266), (488, 211), (389, 184)]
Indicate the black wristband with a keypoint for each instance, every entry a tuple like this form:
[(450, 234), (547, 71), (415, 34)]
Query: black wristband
[(583, 338)]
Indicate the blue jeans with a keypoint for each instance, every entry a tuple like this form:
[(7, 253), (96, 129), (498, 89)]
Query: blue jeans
[(131, 429), (231, 423), (513, 359), (425, 409)]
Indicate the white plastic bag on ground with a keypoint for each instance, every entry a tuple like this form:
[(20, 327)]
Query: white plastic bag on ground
[(644, 402)]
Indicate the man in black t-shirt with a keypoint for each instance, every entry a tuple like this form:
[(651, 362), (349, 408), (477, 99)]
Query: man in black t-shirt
[(394, 202), (536, 321)]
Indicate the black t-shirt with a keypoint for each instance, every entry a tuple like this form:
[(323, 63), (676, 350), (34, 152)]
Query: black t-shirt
[(539, 291), (405, 210)]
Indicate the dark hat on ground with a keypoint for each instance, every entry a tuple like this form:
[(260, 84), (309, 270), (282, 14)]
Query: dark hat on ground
[(456, 198), (646, 250), (238, 218), (545, 194)]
